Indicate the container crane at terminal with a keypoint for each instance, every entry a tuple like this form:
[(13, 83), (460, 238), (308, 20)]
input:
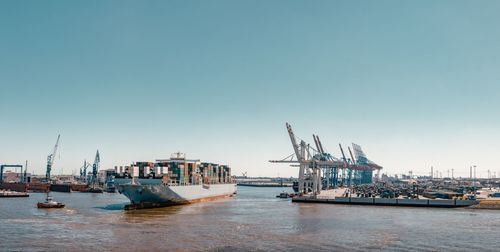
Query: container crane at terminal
[(320, 170)]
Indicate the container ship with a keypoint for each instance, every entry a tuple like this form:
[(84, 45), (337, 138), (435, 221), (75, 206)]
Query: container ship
[(173, 181)]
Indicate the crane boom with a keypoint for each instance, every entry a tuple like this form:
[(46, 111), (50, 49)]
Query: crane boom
[(294, 142), (352, 157), (95, 168), (50, 159), (320, 145)]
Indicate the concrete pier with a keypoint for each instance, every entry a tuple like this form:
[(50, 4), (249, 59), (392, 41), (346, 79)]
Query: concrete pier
[(336, 196), (12, 194), (388, 202)]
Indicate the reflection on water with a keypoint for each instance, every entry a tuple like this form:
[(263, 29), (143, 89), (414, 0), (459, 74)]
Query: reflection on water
[(253, 220)]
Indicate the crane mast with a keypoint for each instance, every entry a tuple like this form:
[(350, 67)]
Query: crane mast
[(85, 166), (50, 159), (83, 170), (320, 145), (95, 168)]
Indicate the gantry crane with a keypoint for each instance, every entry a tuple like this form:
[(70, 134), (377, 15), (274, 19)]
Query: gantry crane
[(313, 162), (8, 166), (309, 164)]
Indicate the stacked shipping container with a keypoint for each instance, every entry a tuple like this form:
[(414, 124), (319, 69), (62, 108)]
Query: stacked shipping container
[(178, 171)]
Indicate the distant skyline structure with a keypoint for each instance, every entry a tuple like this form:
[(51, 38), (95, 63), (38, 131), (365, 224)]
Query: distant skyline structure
[(416, 84)]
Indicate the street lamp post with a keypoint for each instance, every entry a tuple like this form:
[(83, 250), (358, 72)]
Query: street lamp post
[(474, 181)]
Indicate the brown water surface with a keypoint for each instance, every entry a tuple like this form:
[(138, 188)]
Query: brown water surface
[(254, 220)]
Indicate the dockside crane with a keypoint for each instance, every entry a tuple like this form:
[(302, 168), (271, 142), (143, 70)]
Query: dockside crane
[(83, 170), (50, 159), (300, 153), (312, 163), (95, 169), (7, 166), (309, 171)]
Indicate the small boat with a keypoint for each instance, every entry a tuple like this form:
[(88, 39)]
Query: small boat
[(285, 195), (494, 195), (110, 189), (49, 203), (95, 190)]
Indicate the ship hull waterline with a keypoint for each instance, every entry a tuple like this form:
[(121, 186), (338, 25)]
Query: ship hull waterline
[(159, 195)]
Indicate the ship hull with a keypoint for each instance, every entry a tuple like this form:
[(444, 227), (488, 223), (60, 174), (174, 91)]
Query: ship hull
[(174, 195)]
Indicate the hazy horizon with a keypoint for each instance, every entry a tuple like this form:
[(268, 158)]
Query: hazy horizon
[(414, 83)]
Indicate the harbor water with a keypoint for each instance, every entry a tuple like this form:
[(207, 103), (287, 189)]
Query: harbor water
[(253, 220)]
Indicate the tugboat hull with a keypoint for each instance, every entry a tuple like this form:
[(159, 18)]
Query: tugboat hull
[(48, 205), (94, 190)]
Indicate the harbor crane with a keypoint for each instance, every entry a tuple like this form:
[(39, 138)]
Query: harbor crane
[(8, 166), (315, 162), (83, 170), (23, 174), (95, 169), (310, 163), (50, 159)]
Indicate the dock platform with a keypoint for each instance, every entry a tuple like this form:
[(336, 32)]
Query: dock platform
[(336, 196), (12, 194), (388, 202), (265, 184)]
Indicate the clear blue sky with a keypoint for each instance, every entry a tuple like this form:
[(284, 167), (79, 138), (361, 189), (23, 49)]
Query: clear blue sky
[(416, 83)]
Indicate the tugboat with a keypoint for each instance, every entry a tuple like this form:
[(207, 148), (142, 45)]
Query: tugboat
[(285, 195), (49, 203)]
